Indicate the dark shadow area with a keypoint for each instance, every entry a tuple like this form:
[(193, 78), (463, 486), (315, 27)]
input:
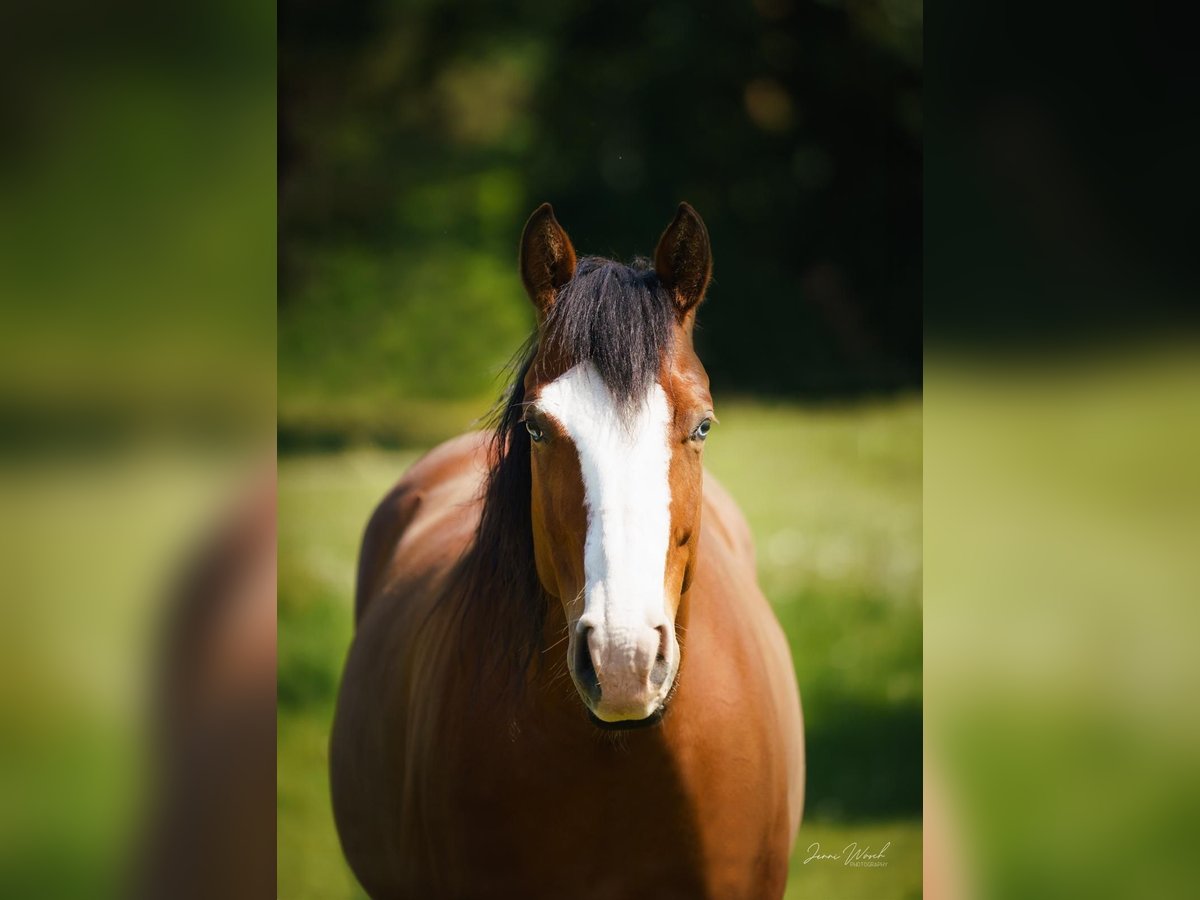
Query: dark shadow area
[(862, 756), (1061, 181)]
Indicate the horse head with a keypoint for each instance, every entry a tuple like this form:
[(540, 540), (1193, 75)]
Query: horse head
[(616, 408)]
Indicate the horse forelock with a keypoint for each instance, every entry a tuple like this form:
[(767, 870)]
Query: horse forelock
[(618, 317)]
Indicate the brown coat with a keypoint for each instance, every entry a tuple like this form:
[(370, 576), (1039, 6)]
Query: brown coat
[(440, 792)]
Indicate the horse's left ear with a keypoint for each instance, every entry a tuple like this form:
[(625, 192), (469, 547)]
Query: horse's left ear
[(683, 259)]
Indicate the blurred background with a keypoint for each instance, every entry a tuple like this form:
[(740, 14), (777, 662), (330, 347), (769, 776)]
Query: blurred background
[(415, 138), (1062, 491), (137, 394)]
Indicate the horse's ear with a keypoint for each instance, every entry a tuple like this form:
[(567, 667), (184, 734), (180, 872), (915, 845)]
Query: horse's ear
[(547, 258), (683, 259)]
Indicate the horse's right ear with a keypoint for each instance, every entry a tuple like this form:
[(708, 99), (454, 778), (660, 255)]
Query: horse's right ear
[(547, 258)]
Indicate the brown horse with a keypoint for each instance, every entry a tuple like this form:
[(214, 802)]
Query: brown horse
[(565, 681)]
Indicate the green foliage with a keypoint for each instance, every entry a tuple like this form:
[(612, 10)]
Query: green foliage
[(415, 140), (313, 634), (439, 325)]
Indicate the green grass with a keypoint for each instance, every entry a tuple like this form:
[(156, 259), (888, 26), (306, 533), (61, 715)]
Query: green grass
[(833, 496)]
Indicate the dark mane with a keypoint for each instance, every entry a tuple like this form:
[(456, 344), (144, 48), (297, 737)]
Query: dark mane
[(619, 318), (615, 316)]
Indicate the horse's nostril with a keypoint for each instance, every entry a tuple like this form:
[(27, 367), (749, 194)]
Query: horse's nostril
[(585, 672), (658, 673)]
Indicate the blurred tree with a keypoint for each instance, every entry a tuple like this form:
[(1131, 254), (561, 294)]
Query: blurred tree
[(415, 137)]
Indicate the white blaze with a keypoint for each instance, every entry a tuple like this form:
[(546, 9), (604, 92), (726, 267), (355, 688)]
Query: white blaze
[(624, 457)]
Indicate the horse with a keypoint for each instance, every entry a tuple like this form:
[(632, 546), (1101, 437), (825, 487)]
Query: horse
[(565, 680)]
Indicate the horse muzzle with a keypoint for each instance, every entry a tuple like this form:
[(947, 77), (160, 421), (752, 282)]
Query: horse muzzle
[(623, 672)]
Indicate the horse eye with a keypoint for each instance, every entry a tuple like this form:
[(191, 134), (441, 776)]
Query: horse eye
[(702, 430), (534, 432)]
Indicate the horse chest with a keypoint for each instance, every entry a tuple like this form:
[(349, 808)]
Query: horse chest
[(596, 816)]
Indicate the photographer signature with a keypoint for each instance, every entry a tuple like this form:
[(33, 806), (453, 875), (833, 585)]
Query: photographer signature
[(851, 855)]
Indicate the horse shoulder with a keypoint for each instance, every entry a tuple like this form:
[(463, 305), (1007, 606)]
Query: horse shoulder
[(409, 549), (734, 554), (439, 484)]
